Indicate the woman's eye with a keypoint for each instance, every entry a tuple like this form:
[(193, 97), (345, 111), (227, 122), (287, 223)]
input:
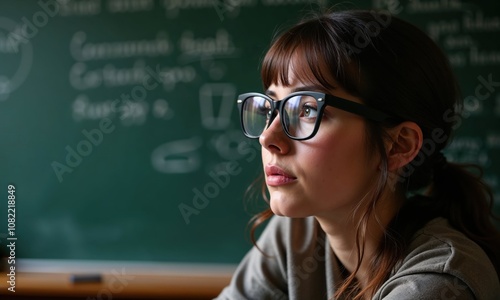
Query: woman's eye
[(309, 111)]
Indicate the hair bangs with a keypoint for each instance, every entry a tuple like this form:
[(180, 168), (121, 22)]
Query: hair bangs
[(309, 52)]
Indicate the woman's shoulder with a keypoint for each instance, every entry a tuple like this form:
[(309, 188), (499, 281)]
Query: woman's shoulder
[(445, 252), (289, 263), (446, 248)]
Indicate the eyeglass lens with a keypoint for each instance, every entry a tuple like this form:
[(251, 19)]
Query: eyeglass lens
[(298, 117)]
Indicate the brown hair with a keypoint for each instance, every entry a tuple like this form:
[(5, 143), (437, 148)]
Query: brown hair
[(391, 65)]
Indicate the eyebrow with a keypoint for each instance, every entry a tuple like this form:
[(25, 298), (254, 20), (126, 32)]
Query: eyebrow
[(311, 88)]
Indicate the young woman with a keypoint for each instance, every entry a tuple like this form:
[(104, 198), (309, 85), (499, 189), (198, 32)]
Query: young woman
[(363, 204)]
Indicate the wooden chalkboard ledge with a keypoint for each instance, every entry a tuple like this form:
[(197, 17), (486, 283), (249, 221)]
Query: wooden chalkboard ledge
[(140, 280)]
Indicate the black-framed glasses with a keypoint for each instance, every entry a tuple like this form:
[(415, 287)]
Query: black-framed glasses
[(300, 112)]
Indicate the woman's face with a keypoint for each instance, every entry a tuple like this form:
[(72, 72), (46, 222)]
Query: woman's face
[(326, 175)]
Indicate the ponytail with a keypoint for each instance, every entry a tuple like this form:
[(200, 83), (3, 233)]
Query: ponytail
[(467, 202)]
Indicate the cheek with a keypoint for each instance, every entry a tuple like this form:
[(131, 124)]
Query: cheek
[(341, 146), (340, 166), (342, 160)]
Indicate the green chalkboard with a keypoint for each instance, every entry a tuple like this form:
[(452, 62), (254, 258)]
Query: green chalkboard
[(119, 129)]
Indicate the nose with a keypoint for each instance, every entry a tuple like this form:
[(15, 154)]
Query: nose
[(274, 139)]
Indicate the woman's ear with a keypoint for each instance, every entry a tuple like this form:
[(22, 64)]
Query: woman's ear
[(406, 141)]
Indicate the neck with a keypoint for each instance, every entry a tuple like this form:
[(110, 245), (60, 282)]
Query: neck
[(343, 232)]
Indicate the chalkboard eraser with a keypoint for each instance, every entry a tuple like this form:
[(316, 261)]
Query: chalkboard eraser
[(86, 278)]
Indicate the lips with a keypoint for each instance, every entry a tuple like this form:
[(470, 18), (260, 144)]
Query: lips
[(276, 176)]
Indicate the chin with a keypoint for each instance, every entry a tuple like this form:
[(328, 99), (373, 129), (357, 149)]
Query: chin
[(293, 211)]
